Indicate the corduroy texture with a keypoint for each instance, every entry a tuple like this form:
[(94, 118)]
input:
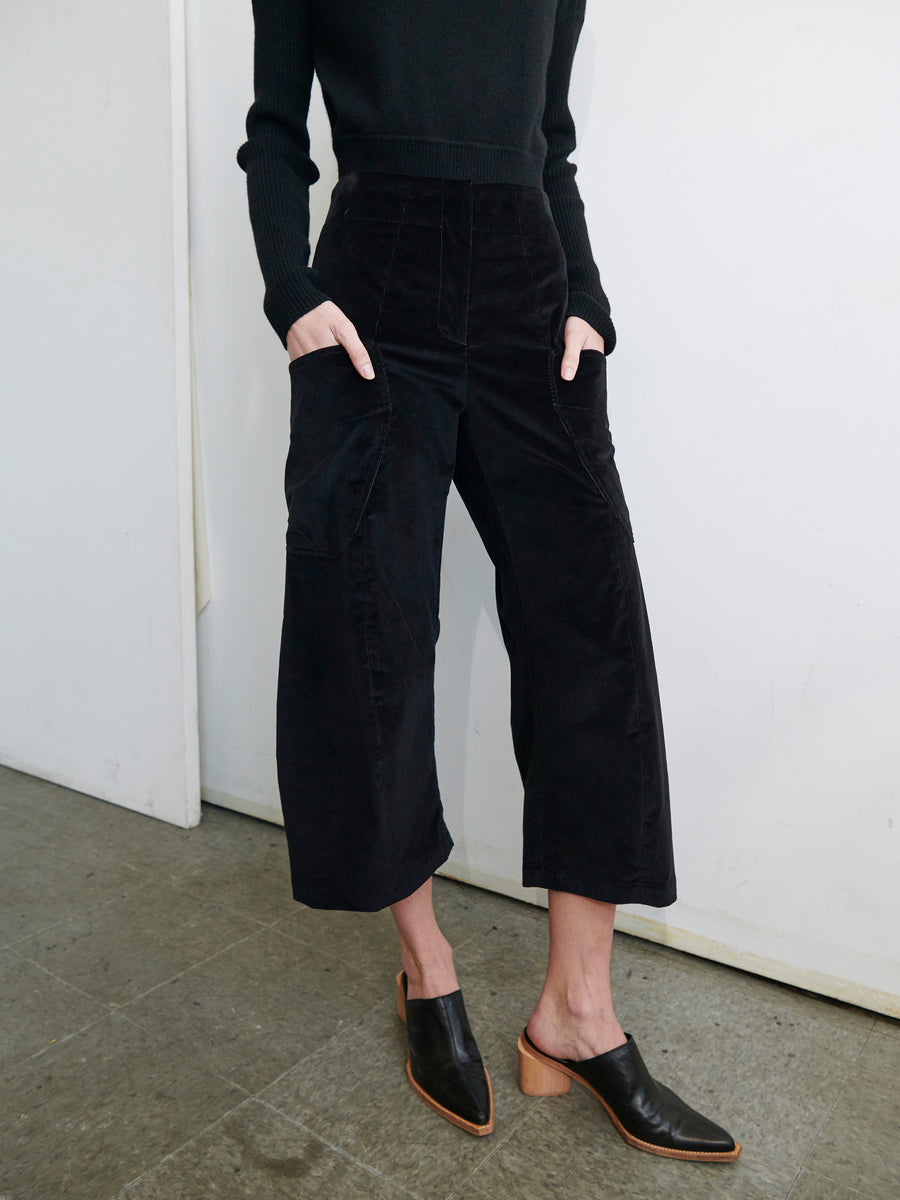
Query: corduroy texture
[(472, 90), (459, 292)]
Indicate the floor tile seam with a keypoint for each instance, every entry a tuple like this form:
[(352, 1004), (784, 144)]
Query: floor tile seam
[(109, 850), (308, 945), (320, 1049), (276, 921), (797, 1177), (249, 1092), (109, 900), (114, 1005), (837, 1183), (105, 1004), (174, 887), (231, 910), (32, 933), (31, 1059), (839, 1091), (356, 970), (496, 1149), (25, 936), (14, 850), (370, 977), (339, 1150), (68, 853), (187, 970), (188, 1054), (123, 1191)]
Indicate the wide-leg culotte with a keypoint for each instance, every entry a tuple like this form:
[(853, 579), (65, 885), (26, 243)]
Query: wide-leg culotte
[(459, 291)]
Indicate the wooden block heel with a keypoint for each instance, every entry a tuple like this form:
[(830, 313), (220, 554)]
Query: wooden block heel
[(537, 1078)]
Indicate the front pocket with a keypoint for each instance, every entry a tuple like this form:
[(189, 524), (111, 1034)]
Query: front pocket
[(580, 404), (339, 424)]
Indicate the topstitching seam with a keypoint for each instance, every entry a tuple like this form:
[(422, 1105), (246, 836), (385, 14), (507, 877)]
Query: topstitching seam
[(535, 693), (534, 291), (390, 266)]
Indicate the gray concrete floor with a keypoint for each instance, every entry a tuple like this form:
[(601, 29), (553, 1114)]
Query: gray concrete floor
[(176, 1027)]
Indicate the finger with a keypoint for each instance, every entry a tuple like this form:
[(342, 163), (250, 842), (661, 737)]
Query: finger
[(359, 355), (570, 358)]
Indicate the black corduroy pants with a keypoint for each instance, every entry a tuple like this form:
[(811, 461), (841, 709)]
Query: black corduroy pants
[(459, 291)]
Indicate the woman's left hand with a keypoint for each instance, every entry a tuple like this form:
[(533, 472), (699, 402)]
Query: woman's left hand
[(579, 335)]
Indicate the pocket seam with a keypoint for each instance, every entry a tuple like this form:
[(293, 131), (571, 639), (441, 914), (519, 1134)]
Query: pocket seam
[(322, 351), (559, 408), (383, 410)]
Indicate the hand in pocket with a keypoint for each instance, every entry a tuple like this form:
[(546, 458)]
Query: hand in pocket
[(326, 325), (579, 335)]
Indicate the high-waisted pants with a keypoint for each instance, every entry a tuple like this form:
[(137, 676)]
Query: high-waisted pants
[(459, 292)]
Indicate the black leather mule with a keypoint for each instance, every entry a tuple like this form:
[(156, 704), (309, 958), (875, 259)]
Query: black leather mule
[(444, 1065), (646, 1113)]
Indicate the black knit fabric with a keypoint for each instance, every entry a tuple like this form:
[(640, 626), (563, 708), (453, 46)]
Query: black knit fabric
[(473, 89)]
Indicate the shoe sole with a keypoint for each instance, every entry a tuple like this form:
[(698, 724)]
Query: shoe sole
[(529, 1056), (452, 1117)]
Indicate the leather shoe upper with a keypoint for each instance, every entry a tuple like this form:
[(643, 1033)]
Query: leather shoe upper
[(444, 1059), (646, 1108)]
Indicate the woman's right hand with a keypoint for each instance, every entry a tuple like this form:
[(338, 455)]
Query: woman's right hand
[(326, 325)]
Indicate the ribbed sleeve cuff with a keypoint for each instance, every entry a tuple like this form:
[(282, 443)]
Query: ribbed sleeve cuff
[(596, 314), (290, 297)]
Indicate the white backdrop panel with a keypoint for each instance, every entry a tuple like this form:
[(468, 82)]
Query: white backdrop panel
[(741, 189), (97, 638)]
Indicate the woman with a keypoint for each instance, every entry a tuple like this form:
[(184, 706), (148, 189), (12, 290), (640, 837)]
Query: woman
[(453, 326)]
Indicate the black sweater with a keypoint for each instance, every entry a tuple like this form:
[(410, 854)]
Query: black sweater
[(464, 89)]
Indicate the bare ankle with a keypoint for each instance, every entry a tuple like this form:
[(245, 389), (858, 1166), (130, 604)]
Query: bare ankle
[(429, 970), (575, 1026)]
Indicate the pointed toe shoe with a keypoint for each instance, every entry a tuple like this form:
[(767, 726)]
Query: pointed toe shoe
[(444, 1067), (648, 1115)]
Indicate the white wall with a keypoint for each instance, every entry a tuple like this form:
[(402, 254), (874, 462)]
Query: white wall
[(739, 170), (752, 188), (97, 636)]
